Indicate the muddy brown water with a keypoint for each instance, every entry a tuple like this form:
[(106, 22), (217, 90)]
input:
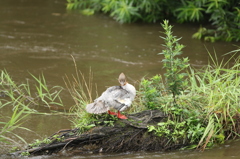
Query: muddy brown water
[(41, 36)]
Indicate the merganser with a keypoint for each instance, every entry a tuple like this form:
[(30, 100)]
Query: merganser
[(117, 97)]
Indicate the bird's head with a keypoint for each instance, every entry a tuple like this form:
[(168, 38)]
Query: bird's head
[(122, 79)]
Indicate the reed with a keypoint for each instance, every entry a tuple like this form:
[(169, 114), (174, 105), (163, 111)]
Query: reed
[(22, 101), (48, 96), (14, 122), (207, 107), (21, 93), (219, 88), (80, 90)]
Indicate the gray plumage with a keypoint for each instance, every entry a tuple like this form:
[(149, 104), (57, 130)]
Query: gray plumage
[(117, 97)]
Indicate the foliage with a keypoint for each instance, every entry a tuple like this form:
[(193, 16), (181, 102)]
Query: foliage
[(150, 90), (77, 87), (22, 101), (224, 15), (154, 92), (170, 129), (15, 121), (173, 65), (207, 112), (87, 7), (38, 143), (47, 96), (21, 94), (124, 11), (25, 153), (220, 87)]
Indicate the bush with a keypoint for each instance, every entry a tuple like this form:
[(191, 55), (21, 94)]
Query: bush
[(207, 111)]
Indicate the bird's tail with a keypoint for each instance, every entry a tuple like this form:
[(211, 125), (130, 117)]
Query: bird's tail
[(96, 108)]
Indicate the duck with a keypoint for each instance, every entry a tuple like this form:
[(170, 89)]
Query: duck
[(116, 97)]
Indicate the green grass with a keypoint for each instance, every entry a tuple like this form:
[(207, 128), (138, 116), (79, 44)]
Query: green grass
[(80, 90), (20, 99), (209, 106), (14, 122), (219, 89)]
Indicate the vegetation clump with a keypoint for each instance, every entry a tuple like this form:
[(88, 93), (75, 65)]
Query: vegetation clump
[(22, 101), (205, 104)]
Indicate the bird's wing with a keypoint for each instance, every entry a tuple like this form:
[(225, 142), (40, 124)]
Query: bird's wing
[(96, 107), (117, 92), (119, 98)]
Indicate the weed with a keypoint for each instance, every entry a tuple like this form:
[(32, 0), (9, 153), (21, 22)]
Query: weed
[(22, 101), (46, 95), (13, 123), (219, 88), (174, 66), (150, 90), (81, 91), (25, 153), (205, 101), (38, 143), (170, 129)]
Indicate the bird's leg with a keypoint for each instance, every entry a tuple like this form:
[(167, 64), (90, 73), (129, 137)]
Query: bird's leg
[(121, 116), (112, 113)]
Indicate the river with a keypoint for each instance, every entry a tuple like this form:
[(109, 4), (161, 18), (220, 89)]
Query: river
[(41, 36)]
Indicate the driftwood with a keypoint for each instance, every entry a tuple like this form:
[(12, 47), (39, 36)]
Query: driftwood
[(126, 135)]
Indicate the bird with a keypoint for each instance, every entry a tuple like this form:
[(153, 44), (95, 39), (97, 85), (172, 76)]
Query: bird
[(117, 97)]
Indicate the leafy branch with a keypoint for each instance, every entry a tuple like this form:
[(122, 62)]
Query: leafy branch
[(174, 66)]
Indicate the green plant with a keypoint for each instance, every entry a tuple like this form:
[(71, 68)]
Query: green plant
[(206, 113), (13, 123), (17, 94), (219, 87), (172, 130), (224, 16), (81, 91), (38, 142), (21, 100), (25, 153), (125, 11), (153, 92), (21, 93), (190, 11), (44, 94), (174, 66), (150, 90)]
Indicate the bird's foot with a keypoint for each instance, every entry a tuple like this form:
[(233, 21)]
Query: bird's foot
[(121, 116), (112, 113)]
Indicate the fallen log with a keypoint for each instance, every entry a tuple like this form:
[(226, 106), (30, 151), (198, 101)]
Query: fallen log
[(126, 135)]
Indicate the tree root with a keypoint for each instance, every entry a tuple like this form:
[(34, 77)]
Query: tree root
[(126, 135)]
